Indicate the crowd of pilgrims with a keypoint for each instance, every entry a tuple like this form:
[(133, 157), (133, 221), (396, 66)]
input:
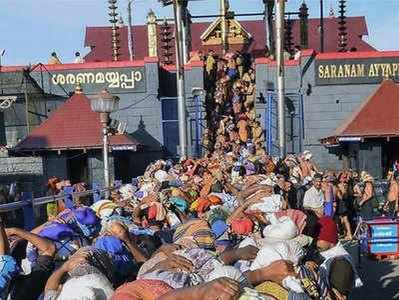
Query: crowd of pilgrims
[(235, 224)]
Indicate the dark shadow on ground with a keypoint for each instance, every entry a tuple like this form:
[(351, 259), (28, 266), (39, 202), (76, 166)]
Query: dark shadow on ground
[(380, 279)]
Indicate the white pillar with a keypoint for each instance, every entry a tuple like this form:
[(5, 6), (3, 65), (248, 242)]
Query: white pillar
[(181, 99), (280, 10), (107, 182)]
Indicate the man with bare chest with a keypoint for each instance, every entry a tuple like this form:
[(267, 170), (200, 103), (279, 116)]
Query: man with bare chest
[(393, 195)]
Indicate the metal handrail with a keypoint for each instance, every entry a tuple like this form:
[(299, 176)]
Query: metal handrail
[(47, 199)]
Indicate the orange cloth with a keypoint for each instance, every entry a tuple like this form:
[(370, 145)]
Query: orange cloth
[(214, 200), (203, 204)]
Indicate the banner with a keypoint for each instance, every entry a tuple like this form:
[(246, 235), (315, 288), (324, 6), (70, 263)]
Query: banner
[(356, 71), (116, 80)]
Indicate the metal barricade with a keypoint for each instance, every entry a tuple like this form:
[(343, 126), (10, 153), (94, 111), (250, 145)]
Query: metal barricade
[(27, 203)]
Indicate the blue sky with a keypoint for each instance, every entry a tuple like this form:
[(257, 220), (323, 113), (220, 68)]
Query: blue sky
[(31, 29)]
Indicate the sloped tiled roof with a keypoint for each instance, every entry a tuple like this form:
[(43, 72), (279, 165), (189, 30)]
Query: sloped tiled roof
[(72, 126), (378, 116), (99, 38)]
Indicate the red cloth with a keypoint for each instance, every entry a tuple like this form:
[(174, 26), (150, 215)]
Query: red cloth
[(141, 290), (327, 230), (242, 226), (152, 212)]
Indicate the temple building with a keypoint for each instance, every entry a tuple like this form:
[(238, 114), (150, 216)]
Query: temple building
[(157, 38), (337, 101)]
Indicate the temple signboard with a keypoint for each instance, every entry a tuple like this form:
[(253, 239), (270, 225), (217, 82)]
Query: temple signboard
[(116, 80), (356, 71)]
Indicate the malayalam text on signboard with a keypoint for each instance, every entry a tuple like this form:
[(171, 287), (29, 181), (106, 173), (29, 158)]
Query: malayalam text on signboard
[(116, 80), (356, 71)]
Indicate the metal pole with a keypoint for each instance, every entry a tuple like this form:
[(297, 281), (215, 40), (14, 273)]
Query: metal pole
[(129, 29), (267, 32), (269, 123), (321, 27), (181, 100), (197, 125), (280, 7), (26, 103), (184, 21), (268, 15), (106, 159), (223, 26)]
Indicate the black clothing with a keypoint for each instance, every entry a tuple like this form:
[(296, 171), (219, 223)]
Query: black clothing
[(31, 286)]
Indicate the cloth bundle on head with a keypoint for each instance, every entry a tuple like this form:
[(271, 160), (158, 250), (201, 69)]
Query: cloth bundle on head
[(123, 262), (198, 230), (214, 200), (161, 176), (107, 222), (127, 191), (104, 208), (243, 226), (143, 289), (295, 215), (229, 201), (57, 231), (157, 211), (281, 229), (229, 272), (269, 253), (269, 204), (327, 230), (201, 205), (203, 261), (87, 287), (217, 213), (87, 221), (180, 203), (111, 244), (218, 227), (284, 250)]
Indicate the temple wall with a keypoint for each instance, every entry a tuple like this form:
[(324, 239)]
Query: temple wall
[(326, 107)]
